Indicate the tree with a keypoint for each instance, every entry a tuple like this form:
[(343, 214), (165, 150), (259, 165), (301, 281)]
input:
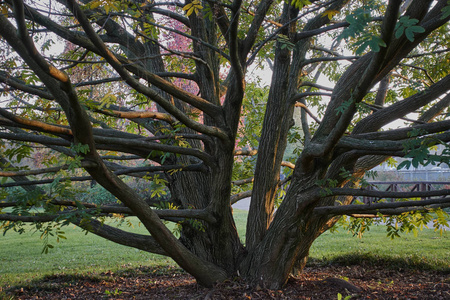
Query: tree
[(160, 92)]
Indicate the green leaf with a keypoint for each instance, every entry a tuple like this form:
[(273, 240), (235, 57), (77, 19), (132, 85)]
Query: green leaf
[(344, 106), (409, 32), (207, 12), (446, 11), (399, 32), (300, 3), (285, 42), (405, 164), (80, 148), (407, 26), (358, 20)]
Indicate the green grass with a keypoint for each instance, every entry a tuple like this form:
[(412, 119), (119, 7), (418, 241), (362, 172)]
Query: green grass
[(429, 250), (21, 260)]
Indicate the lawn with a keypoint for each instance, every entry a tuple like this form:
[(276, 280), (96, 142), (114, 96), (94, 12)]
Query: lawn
[(21, 260)]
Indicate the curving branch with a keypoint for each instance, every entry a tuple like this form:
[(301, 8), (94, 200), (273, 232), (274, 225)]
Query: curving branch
[(309, 112), (429, 53), (236, 197), (172, 15), (315, 85), (142, 242), (288, 164)]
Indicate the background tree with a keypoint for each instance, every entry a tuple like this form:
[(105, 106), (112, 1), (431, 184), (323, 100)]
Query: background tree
[(156, 96)]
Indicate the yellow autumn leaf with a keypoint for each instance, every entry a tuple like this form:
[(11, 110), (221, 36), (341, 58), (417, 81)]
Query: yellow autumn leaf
[(188, 6), (4, 9), (330, 13), (194, 6), (95, 4), (189, 12)]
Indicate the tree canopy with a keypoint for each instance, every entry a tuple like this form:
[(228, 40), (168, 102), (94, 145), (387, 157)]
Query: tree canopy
[(170, 111)]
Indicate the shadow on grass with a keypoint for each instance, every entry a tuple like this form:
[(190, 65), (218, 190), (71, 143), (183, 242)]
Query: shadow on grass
[(367, 259), (56, 282)]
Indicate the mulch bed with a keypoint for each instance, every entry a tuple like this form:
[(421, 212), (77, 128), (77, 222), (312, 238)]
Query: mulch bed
[(317, 282)]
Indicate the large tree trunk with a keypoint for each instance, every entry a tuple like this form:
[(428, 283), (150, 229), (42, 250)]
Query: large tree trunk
[(286, 80), (289, 237)]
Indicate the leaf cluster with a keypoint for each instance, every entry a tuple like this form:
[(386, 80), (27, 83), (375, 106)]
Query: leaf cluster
[(407, 26)]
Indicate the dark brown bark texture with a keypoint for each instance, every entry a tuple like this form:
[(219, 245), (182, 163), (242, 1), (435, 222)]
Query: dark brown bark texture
[(197, 131)]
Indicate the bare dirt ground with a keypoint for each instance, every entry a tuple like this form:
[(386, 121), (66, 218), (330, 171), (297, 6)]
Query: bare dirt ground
[(317, 282)]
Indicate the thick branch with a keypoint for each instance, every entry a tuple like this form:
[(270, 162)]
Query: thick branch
[(138, 241), (435, 110), (137, 115), (150, 146), (397, 211), (378, 207), (236, 197), (37, 125), (25, 137), (260, 14), (401, 108), (388, 194), (242, 181), (386, 145), (403, 133), (245, 152)]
